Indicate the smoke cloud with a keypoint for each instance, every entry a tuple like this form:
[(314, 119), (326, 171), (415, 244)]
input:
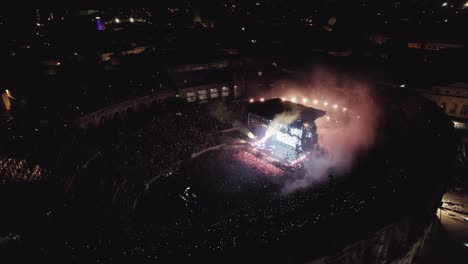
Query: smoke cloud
[(348, 128), (284, 118)]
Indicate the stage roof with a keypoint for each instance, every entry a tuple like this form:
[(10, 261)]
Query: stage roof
[(273, 107)]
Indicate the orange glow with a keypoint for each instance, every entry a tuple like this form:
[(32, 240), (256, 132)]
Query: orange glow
[(6, 101)]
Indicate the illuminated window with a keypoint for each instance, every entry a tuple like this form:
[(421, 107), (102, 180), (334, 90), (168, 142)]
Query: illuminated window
[(224, 91), (214, 93), (191, 97), (202, 95)]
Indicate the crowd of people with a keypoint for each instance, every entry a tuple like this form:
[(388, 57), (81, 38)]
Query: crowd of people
[(19, 171), (166, 140), (131, 156), (258, 163)]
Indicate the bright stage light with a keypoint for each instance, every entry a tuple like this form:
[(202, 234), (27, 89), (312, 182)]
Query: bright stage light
[(315, 101), (262, 99), (325, 103), (304, 100), (344, 109), (283, 99), (251, 100), (293, 99), (328, 118), (335, 106)]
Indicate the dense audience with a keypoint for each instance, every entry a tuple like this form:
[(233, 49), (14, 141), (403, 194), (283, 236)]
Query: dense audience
[(17, 171), (258, 163), (166, 140)]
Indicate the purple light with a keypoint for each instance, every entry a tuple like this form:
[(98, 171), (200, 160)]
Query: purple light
[(99, 24)]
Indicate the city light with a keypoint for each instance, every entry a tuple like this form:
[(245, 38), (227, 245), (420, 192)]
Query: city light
[(131, 20), (9, 94), (283, 99), (444, 4), (465, 5), (262, 99), (117, 20), (251, 100)]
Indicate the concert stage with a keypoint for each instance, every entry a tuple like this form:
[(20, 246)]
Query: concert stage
[(285, 132)]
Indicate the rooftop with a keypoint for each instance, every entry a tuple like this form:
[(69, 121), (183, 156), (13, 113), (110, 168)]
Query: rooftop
[(273, 107)]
